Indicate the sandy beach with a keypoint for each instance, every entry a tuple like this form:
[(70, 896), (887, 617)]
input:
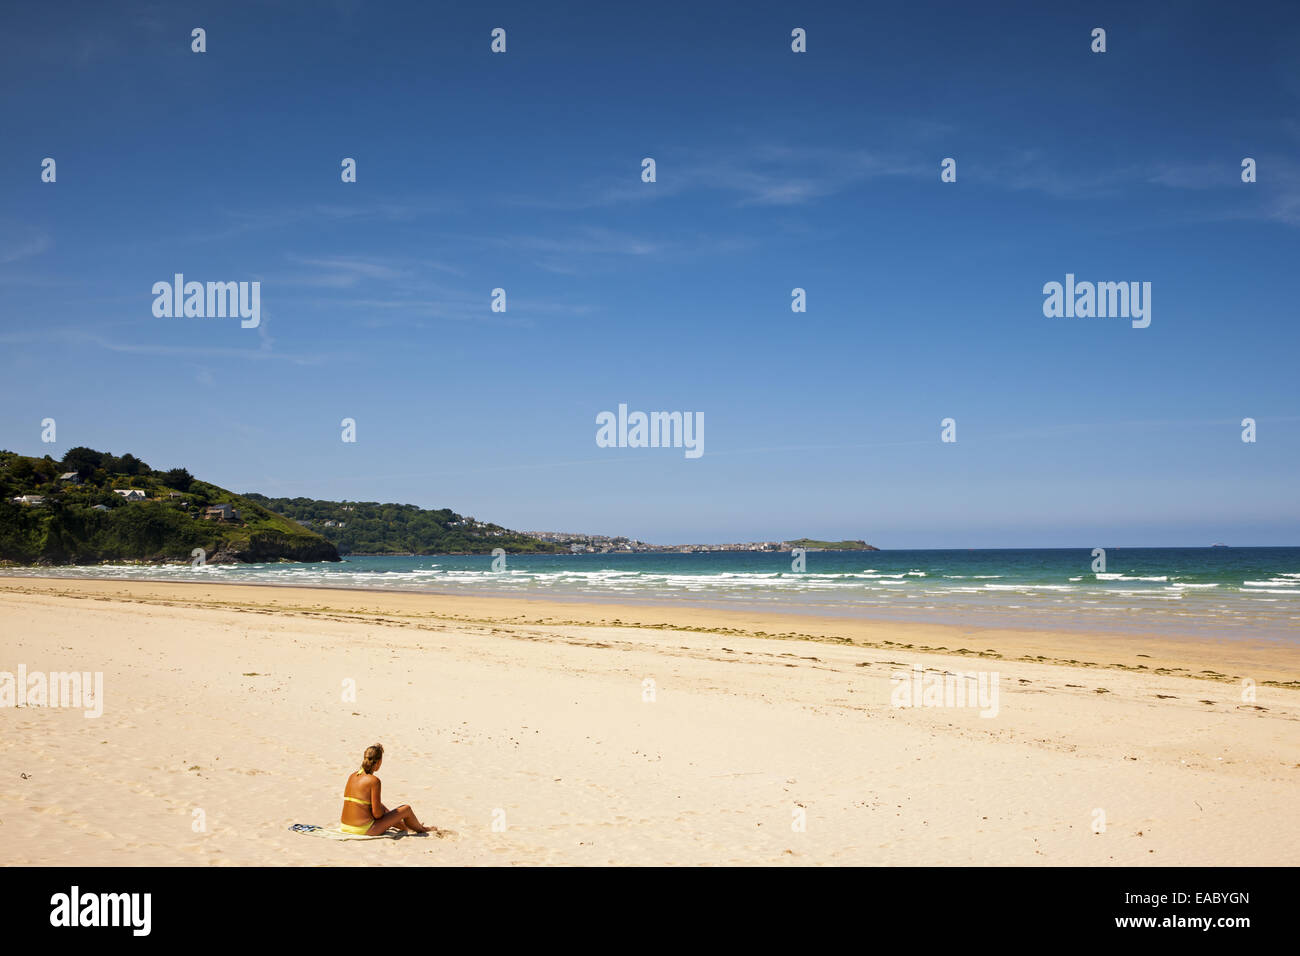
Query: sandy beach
[(593, 734)]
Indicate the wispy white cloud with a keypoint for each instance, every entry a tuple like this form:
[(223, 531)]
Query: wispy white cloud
[(1274, 197), (766, 175), (337, 272), (402, 293), (359, 267), (242, 222), (587, 241), (1036, 170), (32, 245), (72, 336), (590, 248), (1202, 175)]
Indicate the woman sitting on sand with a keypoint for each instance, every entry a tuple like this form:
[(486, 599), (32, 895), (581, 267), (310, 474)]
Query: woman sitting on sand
[(363, 813)]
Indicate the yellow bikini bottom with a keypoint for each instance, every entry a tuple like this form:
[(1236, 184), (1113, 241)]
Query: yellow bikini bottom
[(359, 828)]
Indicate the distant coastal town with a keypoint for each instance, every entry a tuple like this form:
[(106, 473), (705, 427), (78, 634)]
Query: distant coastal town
[(605, 544)]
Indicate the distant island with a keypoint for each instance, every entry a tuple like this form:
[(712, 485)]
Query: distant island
[(811, 544), (94, 506)]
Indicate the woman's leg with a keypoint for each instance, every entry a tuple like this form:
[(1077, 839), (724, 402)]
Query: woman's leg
[(403, 817), (383, 811)]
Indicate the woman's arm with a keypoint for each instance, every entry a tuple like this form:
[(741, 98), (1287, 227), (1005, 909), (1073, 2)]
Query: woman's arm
[(376, 805)]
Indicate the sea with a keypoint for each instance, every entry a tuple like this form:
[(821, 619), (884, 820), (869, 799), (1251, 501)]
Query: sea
[(1249, 593)]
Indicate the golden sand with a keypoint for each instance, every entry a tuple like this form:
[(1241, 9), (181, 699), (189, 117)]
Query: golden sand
[(574, 733)]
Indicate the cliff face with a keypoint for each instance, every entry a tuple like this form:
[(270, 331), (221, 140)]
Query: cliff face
[(268, 548)]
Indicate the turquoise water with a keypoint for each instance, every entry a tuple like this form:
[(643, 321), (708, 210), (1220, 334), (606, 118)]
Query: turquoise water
[(1237, 592)]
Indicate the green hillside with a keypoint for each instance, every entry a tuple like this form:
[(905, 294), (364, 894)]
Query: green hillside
[(368, 527), (82, 520)]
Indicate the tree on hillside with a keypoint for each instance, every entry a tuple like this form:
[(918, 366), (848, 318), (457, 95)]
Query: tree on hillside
[(178, 478), (22, 470), (128, 464), (83, 460), (44, 469)]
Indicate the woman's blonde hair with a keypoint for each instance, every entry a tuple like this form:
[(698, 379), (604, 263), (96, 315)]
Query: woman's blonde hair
[(372, 757)]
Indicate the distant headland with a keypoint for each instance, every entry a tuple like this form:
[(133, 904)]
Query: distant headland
[(93, 507)]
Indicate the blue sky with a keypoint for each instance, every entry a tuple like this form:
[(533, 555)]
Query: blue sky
[(775, 170)]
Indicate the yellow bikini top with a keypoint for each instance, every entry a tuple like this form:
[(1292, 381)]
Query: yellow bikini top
[(364, 803)]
